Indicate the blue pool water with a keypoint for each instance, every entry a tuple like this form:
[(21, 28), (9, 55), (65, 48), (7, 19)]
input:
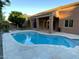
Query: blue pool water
[(37, 38)]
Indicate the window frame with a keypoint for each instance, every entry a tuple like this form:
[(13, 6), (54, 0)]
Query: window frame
[(65, 23), (71, 25), (68, 23)]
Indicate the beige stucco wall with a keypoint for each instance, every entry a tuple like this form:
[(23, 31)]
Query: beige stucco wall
[(69, 13)]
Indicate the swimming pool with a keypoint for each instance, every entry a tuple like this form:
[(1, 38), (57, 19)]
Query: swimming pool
[(31, 37)]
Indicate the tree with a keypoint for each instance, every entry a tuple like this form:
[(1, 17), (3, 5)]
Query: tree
[(17, 18), (2, 4)]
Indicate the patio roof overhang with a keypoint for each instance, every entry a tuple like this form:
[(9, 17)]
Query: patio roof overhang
[(55, 9)]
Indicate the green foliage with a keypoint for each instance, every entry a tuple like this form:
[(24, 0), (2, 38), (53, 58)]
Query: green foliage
[(2, 4), (4, 26), (17, 18)]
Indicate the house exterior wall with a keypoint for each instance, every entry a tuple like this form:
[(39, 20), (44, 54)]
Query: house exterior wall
[(63, 13), (67, 14)]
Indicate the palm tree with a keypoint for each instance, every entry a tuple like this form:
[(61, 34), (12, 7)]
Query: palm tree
[(2, 4)]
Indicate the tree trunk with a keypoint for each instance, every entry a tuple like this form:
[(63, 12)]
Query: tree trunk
[(0, 13), (1, 47)]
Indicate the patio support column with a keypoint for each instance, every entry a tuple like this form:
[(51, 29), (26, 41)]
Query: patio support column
[(37, 23), (31, 23), (44, 24), (51, 23)]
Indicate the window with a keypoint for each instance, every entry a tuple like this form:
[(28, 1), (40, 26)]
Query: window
[(68, 23)]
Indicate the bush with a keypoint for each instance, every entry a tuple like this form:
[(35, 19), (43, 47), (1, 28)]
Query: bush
[(4, 26)]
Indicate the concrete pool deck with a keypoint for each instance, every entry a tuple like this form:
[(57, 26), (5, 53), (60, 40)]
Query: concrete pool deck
[(14, 50), (72, 36)]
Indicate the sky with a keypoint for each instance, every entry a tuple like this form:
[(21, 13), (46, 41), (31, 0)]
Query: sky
[(31, 7)]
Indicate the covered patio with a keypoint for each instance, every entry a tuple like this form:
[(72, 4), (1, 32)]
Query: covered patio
[(46, 22)]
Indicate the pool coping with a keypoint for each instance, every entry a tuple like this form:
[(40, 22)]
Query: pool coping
[(8, 35), (68, 35)]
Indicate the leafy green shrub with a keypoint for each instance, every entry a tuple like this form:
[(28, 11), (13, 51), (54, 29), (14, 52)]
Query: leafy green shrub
[(4, 26)]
